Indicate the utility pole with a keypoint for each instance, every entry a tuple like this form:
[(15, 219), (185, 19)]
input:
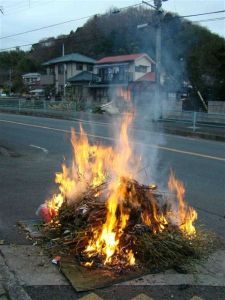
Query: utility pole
[(158, 4), (64, 73), (158, 12), (1, 12), (10, 81)]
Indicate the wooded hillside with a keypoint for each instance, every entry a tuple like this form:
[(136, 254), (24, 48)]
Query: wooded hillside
[(189, 52)]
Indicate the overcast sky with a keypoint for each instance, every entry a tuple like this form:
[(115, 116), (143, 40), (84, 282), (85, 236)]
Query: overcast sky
[(24, 15)]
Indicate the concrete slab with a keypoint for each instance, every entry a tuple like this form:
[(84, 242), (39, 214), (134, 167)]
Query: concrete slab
[(31, 227), (176, 279), (210, 272), (31, 266)]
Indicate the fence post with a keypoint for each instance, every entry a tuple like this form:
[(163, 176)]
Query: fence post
[(44, 105), (19, 105), (194, 120)]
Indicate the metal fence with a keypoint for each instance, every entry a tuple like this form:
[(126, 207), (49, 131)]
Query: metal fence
[(44, 105), (195, 118), (63, 108)]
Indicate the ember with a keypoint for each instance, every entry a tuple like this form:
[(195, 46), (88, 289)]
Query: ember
[(106, 218)]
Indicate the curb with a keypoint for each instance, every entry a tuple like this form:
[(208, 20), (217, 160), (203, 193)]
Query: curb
[(201, 135), (10, 284), (59, 115)]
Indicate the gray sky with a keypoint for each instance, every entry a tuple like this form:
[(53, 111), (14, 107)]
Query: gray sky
[(24, 15)]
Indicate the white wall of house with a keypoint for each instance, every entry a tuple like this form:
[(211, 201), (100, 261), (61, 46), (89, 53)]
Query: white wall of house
[(142, 61), (71, 70)]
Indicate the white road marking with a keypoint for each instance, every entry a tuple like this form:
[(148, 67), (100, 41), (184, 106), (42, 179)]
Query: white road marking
[(41, 148), (113, 139)]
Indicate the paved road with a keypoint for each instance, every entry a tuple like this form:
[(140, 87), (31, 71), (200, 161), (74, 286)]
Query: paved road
[(27, 180), (27, 172)]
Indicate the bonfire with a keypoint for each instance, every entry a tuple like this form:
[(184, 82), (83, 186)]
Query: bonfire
[(105, 218)]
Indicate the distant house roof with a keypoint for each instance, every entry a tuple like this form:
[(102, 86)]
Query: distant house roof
[(150, 76), (122, 58), (30, 75), (83, 76), (73, 57)]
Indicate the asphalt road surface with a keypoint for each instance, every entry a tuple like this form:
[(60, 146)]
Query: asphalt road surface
[(33, 148)]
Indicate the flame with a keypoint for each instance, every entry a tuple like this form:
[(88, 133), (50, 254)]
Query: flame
[(93, 165), (88, 168), (186, 215), (125, 94), (107, 241)]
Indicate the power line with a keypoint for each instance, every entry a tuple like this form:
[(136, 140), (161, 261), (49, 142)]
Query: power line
[(69, 37), (83, 40), (202, 14), (60, 23), (209, 20), (82, 18), (14, 10), (44, 27)]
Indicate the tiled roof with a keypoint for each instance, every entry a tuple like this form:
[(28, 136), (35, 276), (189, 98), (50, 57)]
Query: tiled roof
[(121, 58), (83, 76), (150, 76), (75, 57)]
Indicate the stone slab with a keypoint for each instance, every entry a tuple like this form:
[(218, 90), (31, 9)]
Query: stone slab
[(210, 272), (31, 266), (31, 227), (86, 279)]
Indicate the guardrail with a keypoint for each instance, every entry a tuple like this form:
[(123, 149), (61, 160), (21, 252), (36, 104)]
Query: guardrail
[(62, 108), (195, 118), (44, 105)]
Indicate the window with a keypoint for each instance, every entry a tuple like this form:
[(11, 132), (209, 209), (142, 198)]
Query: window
[(141, 69), (90, 68), (60, 69), (79, 66), (50, 70)]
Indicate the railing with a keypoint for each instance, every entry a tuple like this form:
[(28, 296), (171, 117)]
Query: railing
[(61, 107), (195, 118), (113, 78), (23, 105)]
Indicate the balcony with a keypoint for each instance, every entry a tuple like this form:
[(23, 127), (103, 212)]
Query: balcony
[(113, 78)]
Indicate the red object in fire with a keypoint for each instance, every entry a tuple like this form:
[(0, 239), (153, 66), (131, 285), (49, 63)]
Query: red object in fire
[(46, 213), (56, 260)]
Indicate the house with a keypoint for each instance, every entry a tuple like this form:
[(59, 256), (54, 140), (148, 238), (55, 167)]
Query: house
[(64, 67), (79, 90), (37, 81), (115, 78), (31, 79)]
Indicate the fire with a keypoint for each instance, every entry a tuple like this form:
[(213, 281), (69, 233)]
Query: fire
[(94, 165), (125, 94), (186, 215), (107, 240), (88, 168)]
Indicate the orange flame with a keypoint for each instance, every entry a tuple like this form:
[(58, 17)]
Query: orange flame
[(93, 165), (186, 215), (125, 94), (107, 241)]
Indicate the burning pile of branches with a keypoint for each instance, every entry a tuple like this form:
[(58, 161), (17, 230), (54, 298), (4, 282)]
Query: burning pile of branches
[(105, 218)]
